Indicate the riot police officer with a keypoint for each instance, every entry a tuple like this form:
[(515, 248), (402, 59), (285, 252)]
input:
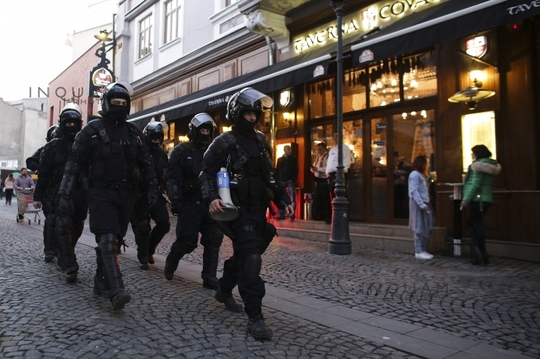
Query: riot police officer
[(246, 155), (148, 238), (111, 154), (68, 225), (49, 239), (185, 164)]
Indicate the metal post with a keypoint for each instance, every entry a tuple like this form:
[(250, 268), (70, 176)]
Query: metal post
[(339, 242)]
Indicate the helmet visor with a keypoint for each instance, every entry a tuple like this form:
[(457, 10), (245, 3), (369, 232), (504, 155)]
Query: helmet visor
[(250, 97), (202, 119)]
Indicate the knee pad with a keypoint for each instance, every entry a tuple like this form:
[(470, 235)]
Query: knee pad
[(108, 243), (252, 267)]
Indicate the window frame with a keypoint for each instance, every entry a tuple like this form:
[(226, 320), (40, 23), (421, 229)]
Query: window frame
[(145, 42)]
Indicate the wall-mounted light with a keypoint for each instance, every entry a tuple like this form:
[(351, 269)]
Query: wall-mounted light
[(183, 138), (225, 128), (477, 77), (288, 117)]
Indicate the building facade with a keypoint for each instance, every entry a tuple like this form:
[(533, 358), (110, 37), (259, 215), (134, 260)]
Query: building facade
[(427, 78), (24, 130)]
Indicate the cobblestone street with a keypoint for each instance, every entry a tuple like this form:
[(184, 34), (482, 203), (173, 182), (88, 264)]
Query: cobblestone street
[(371, 304)]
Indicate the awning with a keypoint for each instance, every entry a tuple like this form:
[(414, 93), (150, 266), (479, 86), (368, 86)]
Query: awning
[(288, 73), (447, 21)]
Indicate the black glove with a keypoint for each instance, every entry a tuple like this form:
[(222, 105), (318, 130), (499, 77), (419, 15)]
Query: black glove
[(153, 196), (66, 205), (176, 208)]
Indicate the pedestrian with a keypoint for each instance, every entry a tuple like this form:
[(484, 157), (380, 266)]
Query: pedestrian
[(146, 236), (478, 197), (111, 154), (246, 156), (49, 239), (287, 169), (23, 184), (8, 183), (187, 203), (323, 206), (2, 188), (332, 164), (69, 224), (420, 209)]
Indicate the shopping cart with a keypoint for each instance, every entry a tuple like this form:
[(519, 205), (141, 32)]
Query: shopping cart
[(25, 198)]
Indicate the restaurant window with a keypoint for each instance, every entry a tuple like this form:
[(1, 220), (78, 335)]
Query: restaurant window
[(322, 101), (354, 91), (172, 19), (419, 76), (414, 135), (145, 36), (384, 83)]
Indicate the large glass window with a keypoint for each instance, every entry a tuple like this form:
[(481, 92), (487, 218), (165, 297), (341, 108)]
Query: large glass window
[(145, 36), (172, 20), (379, 157), (414, 135), (354, 91), (384, 83), (419, 76), (391, 80), (322, 99)]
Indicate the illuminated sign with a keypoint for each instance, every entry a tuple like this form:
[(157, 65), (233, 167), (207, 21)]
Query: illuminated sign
[(382, 13), (476, 47)]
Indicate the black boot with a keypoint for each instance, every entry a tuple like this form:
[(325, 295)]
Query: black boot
[(63, 236), (210, 264), (476, 255), (228, 300), (178, 250), (143, 262), (100, 283), (49, 238), (108, 245), (258, 329)]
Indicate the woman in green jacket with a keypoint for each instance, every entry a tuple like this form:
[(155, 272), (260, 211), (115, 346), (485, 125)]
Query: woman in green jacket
[(478, 196)]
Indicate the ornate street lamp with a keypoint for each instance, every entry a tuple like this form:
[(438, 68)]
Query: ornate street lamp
[(339, 242)]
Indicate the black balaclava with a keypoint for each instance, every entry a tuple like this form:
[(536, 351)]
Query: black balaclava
[(203, 140)]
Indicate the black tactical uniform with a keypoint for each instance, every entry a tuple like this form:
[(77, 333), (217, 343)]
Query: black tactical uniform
[(112, 154), (148, 238), (66, 227), (183, 187), (245, 154), (49, 239)]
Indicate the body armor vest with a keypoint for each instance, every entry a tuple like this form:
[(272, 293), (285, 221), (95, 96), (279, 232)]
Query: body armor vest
[(114, 159)]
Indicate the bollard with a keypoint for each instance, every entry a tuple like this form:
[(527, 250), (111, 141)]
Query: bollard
[(308, 206)]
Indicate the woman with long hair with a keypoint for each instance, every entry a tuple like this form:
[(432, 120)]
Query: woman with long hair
[(478, 197), (420, 209), (9, 188)]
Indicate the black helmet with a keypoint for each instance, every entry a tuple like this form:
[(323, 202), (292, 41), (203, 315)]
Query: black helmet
[(115, 90), (71, 113), (247, 99), (52, 132), (155, 130), (201, 120)]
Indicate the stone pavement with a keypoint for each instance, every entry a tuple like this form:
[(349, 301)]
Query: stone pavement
[(371, 304)]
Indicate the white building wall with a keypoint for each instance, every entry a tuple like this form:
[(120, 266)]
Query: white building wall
[(24, 130)]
